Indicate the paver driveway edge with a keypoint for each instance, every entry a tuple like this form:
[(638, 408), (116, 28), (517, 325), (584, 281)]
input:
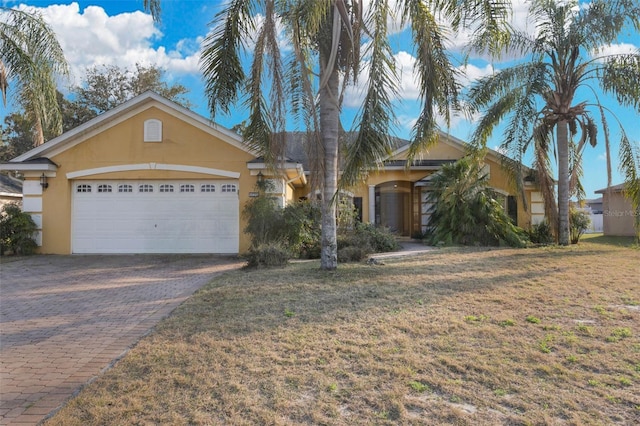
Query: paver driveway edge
[(65, 320)]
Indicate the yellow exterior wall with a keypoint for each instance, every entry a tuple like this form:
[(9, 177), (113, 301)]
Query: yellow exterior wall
[(185, 144), (498, 179), (182, 144)]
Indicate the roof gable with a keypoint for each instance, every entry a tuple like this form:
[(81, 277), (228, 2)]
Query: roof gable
[(120, 114)]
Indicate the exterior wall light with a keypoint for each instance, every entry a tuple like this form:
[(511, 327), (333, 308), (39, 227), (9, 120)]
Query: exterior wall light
[(43, 181)]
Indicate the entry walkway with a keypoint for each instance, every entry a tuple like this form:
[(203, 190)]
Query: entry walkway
[(65, 319)]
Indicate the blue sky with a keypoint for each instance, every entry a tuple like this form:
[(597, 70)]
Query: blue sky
[(117, 32)]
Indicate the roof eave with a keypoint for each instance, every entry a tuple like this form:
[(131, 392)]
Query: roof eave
[(15, 166)]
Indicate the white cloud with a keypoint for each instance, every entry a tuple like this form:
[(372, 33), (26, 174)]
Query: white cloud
[(614, 49), (92, 38), (470, 73)]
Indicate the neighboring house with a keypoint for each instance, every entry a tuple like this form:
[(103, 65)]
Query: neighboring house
[(595, 204), (150, 176), (10, 190), (593, 208), (618, 214)]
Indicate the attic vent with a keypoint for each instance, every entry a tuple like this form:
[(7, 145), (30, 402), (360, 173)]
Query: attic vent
[(153, 130)]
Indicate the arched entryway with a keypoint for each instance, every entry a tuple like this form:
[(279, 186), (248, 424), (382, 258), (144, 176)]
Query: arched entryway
[(393, 206)]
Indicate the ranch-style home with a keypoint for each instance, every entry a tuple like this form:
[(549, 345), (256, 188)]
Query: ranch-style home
[(151, 176)]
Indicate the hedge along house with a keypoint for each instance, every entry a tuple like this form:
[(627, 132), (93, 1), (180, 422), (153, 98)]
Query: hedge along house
[(151, 176)]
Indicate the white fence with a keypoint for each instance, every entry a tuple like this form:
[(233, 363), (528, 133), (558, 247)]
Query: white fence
[(596, 223)]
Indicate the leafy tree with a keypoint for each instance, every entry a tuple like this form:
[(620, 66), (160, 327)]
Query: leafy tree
[(330, 40), (106, 87), (542, 96), (466, 210), (580, 222), (16, 136), (30, 59)]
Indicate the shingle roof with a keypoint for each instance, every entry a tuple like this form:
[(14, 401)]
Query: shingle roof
[(9, 185)]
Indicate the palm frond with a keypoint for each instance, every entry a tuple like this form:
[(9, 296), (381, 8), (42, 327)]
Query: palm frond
[(373, 140), (601, 22), (619, 77), (153, 6), (32, 58), (544, 172), (630, 167), (436, 74), (220, 61)]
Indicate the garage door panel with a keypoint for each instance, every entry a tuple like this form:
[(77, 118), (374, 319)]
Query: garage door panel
[(154, 222)]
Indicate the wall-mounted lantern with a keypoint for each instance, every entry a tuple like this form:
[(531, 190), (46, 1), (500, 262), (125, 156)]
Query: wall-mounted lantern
[(43, 181)]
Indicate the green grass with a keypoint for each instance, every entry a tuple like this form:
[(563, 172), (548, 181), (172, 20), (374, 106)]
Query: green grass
[(630, 242), (299, 346)]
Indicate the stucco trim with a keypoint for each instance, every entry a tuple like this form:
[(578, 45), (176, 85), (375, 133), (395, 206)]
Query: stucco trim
[(152, 166)]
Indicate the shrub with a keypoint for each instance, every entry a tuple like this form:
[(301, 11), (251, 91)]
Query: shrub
[(579, 222), (264, 218), (16, 230), (267, 255), (466, 210), (380, 239), (296, 230), (541, 233), (352, 253), (300, 229)]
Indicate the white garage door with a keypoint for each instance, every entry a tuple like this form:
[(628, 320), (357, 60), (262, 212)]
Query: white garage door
[(155, 216)]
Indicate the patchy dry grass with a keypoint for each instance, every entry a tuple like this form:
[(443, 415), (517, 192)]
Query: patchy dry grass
[(455, 336)]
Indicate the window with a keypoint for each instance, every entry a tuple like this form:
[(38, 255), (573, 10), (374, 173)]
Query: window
[(83, 188), (207, 188), (228, 188), (125, 188), (166, 188), (145, 188), (105, 188), (187, 188)]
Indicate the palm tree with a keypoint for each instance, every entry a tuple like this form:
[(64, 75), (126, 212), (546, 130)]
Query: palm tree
[(466, 210), (31, 58), (308, 81), (540, 96)]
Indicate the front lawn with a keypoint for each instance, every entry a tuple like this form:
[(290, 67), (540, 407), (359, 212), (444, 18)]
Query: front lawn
[(455, 336)]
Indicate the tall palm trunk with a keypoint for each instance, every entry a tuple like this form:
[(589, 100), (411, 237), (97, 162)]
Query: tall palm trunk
[(329, 124), (563, 182)]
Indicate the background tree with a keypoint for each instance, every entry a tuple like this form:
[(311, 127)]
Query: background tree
[(541, 96), (16, 136), (106, 87), (30, 59), (95, 93), (309, 81)]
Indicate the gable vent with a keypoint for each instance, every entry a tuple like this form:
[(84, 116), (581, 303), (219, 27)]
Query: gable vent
[(153, 130)]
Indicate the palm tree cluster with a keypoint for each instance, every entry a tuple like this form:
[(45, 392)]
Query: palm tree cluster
[(329, 42)]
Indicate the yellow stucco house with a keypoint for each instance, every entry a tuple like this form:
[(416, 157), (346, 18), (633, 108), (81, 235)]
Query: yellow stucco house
[(153, 177)]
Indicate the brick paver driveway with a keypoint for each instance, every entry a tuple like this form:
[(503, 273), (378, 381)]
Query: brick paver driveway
[(64, 319)]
